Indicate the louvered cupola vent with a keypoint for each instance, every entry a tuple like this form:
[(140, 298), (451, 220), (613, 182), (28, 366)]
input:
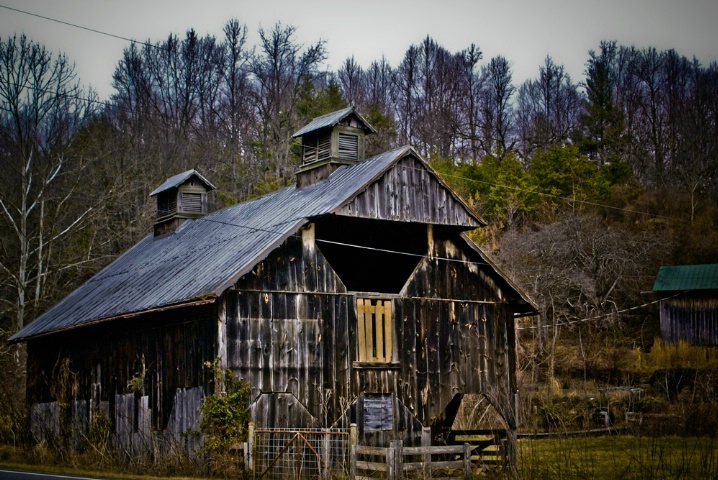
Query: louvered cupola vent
[(180, 198), (330, 141)]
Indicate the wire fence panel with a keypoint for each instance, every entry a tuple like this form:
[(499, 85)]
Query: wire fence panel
[(300, 453)]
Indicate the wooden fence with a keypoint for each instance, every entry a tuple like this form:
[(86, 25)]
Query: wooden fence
[(401, 462)]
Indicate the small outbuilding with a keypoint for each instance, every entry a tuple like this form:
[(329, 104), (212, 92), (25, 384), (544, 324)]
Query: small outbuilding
[(353, 296), (689, 303)]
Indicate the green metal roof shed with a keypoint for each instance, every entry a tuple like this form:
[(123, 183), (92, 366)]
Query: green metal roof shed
[(687, 277), (689, 309)]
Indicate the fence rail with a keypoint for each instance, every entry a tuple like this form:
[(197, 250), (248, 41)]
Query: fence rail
[(293, 454), (454, 462)]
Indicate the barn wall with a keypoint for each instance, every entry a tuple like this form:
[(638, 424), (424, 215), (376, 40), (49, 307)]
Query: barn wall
[(690, 317), (476, 330), (95, 364), (408, 192), (286, 319), (292, 328)]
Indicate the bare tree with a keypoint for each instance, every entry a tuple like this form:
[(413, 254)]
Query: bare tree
[(470, 94), (42, 106), (406, 94), (548, 108), (280, 68), (236, 116), (496, 106), (582, 275), (351, 80)]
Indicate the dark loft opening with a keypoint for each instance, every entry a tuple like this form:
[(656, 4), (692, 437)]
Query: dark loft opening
[(364, 253)]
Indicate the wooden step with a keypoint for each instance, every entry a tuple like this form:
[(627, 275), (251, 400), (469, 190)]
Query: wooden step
[(492, 449), (489, 459), (474, 438)]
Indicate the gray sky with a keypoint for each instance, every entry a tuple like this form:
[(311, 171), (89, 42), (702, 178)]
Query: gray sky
[(524, 31)]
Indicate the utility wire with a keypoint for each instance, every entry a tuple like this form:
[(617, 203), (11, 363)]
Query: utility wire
[(467, 262), (351, 245), (100, 32), (598, 317), (559, 197), (544, 194), (459, 177), (567, 199)]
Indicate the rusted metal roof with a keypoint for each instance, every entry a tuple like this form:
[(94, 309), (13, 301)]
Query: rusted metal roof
[(206, 256), (331, 119), (687, 277), (179, 179)]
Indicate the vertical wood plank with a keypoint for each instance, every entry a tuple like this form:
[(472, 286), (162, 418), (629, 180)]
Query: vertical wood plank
[(378, 353), (361, 330), (388, 327), (369, 318)]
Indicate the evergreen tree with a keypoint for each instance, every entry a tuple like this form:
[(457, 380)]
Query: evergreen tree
[(600, 130)]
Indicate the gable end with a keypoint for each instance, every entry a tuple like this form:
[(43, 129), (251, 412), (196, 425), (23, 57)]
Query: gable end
[(410, 191)]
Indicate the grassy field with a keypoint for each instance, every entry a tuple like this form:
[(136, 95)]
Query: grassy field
[(614, 457), (609, 457)]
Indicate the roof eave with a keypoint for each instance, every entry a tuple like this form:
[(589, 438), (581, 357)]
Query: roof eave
[(181, 178), (532, 308), (194, 302), (329, 124)]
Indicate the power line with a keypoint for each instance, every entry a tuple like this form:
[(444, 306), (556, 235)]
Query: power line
[(558, 197), (598, 317), (544, 194), (93, 30), (344, 244), (446, 259)]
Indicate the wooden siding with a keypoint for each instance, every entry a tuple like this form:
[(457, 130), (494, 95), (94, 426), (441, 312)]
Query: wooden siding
[(292, 329), (408, 192), (170, 347), (690, 317)]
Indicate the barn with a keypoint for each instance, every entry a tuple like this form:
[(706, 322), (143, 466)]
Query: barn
[(353, 296), (689, 303)]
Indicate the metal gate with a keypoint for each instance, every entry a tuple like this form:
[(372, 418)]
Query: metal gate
[(300, 453)]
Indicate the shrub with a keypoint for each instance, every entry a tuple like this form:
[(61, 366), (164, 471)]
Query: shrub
[(225, 420)]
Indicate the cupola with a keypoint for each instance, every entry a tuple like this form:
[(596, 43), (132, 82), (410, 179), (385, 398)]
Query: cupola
[(330, 141), (180, 198)]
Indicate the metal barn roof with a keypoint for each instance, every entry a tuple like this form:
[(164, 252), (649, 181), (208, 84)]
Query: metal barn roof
[(687, 277), (206, 256), (179, 179), (331, 119)]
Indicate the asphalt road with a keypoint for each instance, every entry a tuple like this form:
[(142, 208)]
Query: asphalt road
[(17, 475)]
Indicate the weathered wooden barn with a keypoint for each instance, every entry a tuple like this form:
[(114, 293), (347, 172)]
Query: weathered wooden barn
[(353, 296), (689, 303)]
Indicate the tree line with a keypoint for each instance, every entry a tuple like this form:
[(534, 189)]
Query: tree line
[(551, 161)]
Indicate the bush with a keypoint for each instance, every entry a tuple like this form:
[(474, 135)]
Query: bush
[(225, 420)]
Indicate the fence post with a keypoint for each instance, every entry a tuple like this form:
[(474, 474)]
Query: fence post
[(467, 461), (250, 441), (426, 442), (353, 462), (325, 464), (353, 434), (397, 454)]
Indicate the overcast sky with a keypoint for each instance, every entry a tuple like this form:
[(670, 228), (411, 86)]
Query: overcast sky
[(524, 31)]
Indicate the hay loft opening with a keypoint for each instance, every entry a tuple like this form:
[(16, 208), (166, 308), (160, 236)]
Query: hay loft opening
[(371, 255)]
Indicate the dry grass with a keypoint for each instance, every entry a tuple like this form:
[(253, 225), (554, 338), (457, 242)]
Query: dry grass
[(18, 458), (618, 457), (681, 354)]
